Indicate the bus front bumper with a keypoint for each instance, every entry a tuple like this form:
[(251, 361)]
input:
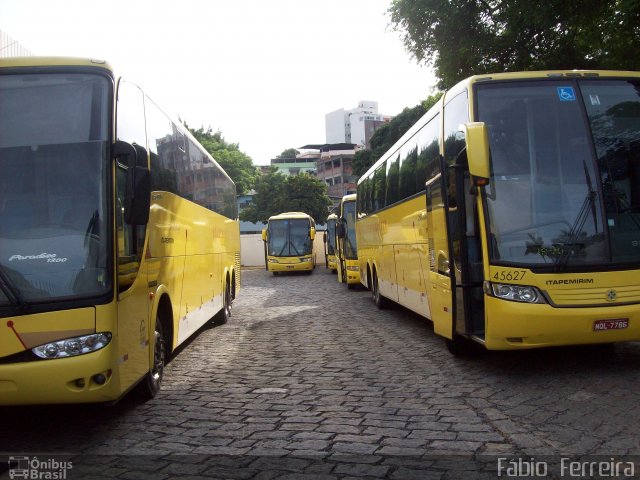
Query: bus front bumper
[(88, 378), (295, 264), (514, 325)]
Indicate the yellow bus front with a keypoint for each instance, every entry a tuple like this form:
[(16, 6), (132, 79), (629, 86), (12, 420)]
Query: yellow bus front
[(347, 263), (330, 242), (289, 243), (560, 215), (59, 318)]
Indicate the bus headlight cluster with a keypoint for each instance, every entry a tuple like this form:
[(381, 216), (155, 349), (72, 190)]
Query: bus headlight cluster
[(353, 268), (515, 293), (71, 347), (305, 259), (273, 260)]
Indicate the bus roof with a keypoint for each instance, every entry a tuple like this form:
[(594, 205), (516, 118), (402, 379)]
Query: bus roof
[(349, 198), (289, 215), (486, 78), (13, 62)]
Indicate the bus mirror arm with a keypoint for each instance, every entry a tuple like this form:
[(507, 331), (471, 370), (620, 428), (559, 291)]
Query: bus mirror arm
[(477, 143)]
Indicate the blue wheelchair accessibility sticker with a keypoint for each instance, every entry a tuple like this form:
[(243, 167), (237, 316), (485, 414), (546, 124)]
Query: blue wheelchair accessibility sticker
[(566, 94)]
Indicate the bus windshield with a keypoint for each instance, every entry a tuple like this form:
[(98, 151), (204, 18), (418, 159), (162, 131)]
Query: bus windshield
[(350, 246), (565, 188), (289, 238), (53, 187)]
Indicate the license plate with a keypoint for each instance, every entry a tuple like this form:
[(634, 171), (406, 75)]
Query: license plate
[(289, 266), (614, 324)]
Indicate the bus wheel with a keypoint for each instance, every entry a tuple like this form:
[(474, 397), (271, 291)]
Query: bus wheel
[(380, 301), (463, 347), (228, 302), (151, 384), (224, 315)]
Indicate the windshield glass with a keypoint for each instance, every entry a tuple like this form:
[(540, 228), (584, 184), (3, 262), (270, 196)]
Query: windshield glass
[(613, 109), (545, 200), (53, 184), (289, 238), (331, 236), (349, 212)]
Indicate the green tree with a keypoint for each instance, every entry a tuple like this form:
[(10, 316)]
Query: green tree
[(389, 133), (238, 165), (276, 193), (289, 153), (467, 37), (305, 193)]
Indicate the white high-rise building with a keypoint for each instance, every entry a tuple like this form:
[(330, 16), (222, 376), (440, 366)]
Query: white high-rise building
[(356, 125)]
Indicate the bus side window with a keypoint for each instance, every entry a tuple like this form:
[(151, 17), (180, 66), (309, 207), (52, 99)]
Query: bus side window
[(131, 129)]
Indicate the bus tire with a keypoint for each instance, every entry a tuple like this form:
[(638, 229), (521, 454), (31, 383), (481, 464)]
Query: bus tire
[(380, 301), (463, 347), (151, 384), (224, 315)]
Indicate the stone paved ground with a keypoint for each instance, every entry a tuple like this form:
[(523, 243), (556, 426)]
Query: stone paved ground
[(310, 380)]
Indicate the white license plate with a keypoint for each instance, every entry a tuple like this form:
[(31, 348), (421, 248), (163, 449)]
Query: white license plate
[(613, 324)]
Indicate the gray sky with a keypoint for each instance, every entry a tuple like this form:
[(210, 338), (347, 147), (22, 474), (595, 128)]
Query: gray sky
[(263, 72)]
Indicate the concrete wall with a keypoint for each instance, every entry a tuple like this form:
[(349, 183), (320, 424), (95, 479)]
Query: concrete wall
[(252, 250)]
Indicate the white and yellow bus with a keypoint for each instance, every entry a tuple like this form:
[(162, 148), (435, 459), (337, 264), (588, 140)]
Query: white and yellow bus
[(346, 245), (329, 240), (509, 214), (118, 234), (288, 243)]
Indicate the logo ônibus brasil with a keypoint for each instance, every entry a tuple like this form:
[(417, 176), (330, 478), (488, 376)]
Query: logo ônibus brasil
[(33, 468)]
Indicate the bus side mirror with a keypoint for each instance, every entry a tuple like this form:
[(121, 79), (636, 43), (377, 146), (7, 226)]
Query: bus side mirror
[(340, 230), (477, 142), (324, 236), (137, 194), (137, 197), (264, 234), (312, 233)]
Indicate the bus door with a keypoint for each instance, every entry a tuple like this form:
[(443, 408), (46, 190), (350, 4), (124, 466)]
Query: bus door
[(440, 294), (467, 253)]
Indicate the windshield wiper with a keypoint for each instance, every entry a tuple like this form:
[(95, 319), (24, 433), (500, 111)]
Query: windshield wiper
[(10, 291), (588, 204)]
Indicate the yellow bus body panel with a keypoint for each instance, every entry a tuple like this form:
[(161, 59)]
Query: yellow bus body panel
[(398, 251)]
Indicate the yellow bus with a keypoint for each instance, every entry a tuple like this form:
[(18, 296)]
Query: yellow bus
[(329, 240), (288, 243), (509, 214), (346, 245), (119, 235)]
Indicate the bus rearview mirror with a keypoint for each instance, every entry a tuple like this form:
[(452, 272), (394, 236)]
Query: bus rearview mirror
[(264, 234), (137, 197), (477, 143), (312, 233)]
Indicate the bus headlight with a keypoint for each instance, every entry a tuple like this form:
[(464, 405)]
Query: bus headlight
[(305, 259), (515, 293), (353, 269), (273, 260), (70, 347)]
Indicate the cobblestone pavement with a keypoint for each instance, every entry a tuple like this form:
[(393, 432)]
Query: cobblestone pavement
[(310, 380)]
